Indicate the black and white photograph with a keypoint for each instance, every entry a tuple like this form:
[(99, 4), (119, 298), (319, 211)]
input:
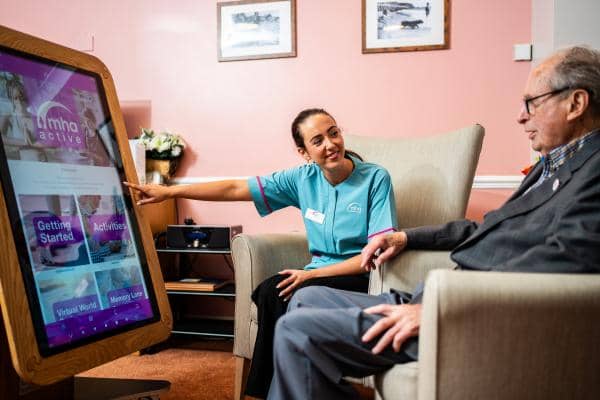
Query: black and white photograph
[(404, 26), (256, 29)]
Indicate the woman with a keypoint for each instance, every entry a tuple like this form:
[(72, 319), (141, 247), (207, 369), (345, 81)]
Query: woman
[(94, 147), (16, 124), (344, 202)]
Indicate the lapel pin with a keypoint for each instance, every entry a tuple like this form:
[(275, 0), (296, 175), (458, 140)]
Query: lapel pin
[(555, 184)]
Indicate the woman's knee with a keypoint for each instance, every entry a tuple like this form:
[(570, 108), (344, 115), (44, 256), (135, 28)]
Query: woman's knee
[(268, 288)]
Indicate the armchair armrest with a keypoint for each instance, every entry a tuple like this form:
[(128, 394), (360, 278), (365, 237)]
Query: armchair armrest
[(255, 258), (509, 335), (408, 269)]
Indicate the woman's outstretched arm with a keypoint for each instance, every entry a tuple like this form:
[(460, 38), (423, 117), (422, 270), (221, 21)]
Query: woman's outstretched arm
[(227, 190)]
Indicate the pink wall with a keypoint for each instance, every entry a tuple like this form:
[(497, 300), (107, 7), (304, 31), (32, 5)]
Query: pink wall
[(484, 200), (236, 115)]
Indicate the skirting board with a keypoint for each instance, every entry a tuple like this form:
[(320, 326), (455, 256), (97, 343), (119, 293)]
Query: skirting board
[(480, 181)]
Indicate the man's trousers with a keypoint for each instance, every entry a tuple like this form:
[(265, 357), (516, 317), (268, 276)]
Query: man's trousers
[(318, 341)]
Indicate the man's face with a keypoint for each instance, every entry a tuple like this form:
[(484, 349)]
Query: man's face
[(546, 123)]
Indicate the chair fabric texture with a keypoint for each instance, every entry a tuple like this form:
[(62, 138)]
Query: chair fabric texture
[(432, 178), (257, 257), (501, 335)]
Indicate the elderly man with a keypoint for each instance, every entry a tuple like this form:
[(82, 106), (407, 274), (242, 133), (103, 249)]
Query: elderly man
[(550, 224)]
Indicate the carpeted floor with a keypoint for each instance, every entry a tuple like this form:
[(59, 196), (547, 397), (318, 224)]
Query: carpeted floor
[(197, 370), (194, 373)]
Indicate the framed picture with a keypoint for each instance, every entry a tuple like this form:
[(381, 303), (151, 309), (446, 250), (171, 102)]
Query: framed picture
[(255, 29), (404, 25)]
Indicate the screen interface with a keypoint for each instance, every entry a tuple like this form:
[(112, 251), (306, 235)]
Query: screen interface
[(77, 242)]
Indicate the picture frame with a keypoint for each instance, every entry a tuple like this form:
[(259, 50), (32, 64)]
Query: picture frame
[(411, 25), (256, 29)]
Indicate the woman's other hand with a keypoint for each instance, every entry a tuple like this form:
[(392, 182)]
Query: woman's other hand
[(289, 284)]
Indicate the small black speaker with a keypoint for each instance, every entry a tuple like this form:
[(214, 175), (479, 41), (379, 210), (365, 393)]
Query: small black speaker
[(201, 236)]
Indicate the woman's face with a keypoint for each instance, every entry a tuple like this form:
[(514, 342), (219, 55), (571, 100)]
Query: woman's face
[(323, 142)]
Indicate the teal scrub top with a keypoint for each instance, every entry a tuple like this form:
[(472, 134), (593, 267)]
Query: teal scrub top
[(339, 219)]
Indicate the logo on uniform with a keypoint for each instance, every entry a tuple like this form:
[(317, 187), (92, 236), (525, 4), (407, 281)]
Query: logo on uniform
[(354, 208)]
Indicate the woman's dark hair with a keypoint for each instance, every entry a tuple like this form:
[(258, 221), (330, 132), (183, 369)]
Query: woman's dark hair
[(303, 116), (13, 85)]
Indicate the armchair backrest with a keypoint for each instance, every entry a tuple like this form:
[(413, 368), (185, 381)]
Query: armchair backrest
[(432, 180), (432, 176)]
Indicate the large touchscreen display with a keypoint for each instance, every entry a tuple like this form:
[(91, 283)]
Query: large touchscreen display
[(76, 238)]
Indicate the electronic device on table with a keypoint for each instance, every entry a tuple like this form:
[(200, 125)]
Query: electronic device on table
[(210, 237)]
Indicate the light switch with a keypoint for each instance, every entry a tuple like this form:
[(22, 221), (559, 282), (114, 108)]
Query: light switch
[(522, 52)]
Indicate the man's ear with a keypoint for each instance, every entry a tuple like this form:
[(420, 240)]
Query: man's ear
[(303, 153), (578, 104)]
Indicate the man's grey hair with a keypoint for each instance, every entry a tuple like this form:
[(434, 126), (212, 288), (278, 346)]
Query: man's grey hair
[(578, 67)]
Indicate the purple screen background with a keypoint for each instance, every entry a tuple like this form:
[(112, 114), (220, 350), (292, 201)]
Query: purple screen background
[(59, 113)]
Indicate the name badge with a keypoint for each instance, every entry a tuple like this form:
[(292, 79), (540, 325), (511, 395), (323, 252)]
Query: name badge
[(314, 216)]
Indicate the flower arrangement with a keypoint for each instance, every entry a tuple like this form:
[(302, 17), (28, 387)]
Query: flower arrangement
[(161, 146)]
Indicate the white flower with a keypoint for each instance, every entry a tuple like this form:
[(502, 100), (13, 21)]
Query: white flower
[(176, 151), (155, 143), (163, 145)]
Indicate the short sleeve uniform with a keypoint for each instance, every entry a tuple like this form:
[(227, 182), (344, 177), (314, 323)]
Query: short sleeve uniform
[(339, 219)]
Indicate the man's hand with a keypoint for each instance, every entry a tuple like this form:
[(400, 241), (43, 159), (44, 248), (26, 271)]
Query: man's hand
[(295, 278), (149, 193), (400, 322), (381, 249)]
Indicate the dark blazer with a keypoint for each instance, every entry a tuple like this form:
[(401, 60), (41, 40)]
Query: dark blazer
[(553, 228)]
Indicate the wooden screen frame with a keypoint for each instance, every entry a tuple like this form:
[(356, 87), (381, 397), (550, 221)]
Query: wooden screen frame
[(26, 358)]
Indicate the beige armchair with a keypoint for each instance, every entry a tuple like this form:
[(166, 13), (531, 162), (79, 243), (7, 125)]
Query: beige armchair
[(498, 335), (432, 180)]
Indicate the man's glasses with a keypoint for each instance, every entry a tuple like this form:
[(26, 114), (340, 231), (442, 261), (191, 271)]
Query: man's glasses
[(554, 92)]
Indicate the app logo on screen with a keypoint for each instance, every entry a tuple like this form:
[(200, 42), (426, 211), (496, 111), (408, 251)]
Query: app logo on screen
[(53, 231), (52, 115)]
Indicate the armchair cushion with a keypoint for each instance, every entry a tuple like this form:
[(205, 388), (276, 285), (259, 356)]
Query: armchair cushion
[(399, 382)]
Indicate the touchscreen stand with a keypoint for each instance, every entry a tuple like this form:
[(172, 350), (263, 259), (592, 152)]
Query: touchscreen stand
[(75, 388), (80, 283)]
